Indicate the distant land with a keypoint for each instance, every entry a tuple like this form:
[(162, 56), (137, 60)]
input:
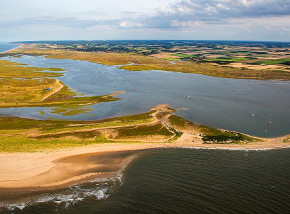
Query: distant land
[(228, 59)]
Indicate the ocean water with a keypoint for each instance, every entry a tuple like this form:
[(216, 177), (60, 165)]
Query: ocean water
[(4, 46), (178, 181)]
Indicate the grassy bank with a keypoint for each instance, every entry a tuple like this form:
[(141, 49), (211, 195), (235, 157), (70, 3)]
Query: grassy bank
[(28, 135), (215, 136), (137, 62), (33, 87), (213, 70)]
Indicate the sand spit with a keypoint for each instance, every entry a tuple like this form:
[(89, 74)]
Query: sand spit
[(48, 170), (28, 171)]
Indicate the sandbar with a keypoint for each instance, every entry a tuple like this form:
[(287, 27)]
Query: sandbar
[(49, 170)]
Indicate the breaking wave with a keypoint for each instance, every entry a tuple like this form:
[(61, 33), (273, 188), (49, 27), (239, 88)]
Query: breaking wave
[(98, 189)]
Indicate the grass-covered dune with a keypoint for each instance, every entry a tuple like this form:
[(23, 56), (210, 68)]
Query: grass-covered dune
[(156, 126)]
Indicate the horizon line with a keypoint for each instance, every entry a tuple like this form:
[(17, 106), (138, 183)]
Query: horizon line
[(53, 40)]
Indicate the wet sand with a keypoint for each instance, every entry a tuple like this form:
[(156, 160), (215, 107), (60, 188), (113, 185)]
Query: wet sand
[(49, 170)]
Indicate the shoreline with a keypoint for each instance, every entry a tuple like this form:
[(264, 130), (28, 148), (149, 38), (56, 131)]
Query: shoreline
[(35, 171), (60, 169), (19, 46)]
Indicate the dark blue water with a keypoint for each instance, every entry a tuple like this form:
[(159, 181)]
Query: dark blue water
[(217, 102), (4, 46), (180, 181)]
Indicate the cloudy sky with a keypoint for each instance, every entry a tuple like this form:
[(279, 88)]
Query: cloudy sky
[(261, 20)]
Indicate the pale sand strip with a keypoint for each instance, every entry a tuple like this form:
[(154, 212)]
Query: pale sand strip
[(11, 49), (56, 88), (42, 170)]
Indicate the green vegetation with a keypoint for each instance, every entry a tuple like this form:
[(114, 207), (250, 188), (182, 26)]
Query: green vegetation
[(10, 70), (184, 55), (211, 135), (178, 121), (20, 143), (55, 126), (28, 135), (172, 59), (144, 131), (71, 110), (285, 61), (75, 134), (29, 86), (143, 61), (227, 59), (213, 70), (286, 140), (177, 133), (99, 57)]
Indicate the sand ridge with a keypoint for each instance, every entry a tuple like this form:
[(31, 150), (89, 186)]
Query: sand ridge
[(55, 169)]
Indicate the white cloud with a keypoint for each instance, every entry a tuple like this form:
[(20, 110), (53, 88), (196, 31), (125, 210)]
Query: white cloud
[(163, 19), (128, 24)]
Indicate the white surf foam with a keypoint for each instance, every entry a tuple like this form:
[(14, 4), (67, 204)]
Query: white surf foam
[(98, 189)]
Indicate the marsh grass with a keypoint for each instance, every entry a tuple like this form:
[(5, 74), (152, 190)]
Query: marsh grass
[(212, 70), (26, 87), (98, 57), (28, 135), (8, 124), (74, 134), (16, 70), (137, 62), (20, 143), (144, 130), (177, 121)]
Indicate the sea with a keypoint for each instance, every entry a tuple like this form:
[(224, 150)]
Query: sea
[(4, 46), (185, 180)]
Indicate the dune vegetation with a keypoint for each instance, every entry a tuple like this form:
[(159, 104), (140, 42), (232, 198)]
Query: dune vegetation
[(28, 135)]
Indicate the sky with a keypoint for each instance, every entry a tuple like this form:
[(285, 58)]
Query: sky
[(31, 20)]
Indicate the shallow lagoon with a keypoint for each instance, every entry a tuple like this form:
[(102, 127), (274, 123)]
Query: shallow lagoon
[(217, 102)]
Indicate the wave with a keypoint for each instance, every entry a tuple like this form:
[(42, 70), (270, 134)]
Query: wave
[(98, 189)]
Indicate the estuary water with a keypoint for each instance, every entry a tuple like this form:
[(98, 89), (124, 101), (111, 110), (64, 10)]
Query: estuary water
[(216, 102), (173, 180)]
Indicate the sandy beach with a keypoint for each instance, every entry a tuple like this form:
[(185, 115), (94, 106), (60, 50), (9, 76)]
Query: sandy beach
[(48, 170)]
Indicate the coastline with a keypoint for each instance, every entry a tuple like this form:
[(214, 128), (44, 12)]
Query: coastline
[(19, 46), (59, 169)]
